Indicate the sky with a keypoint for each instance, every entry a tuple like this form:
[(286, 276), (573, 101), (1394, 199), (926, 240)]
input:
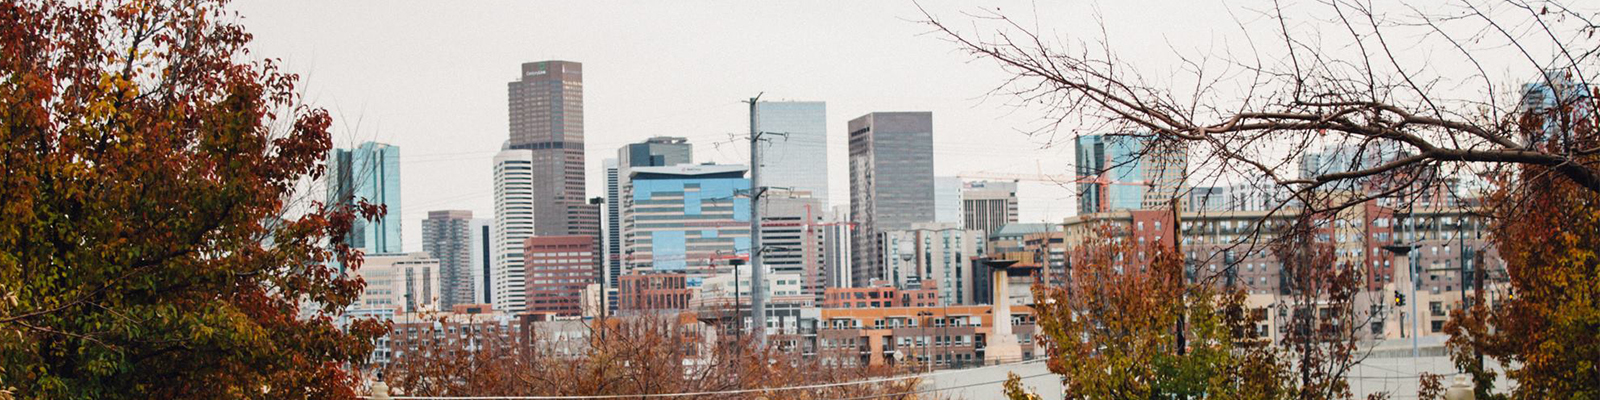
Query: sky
[(431, 78)]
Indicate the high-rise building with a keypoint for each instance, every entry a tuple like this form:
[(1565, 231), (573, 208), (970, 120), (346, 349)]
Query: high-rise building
[(1166, 168), (947, 200), (1339, 158), (937, 252), (397, 283), (371, 173), (447, 236), (1120, 172), (792, 233), (988, 205), (558, 269), (513, 224), (836, 255), (546, 119), (685, 219), (797, 158), (891, 182), (1552, 95), (482, 260), (1207, 198), (660, 151), (613, 246)]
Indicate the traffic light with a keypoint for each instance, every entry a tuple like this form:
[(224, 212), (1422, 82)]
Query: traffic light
[(1399, 299)]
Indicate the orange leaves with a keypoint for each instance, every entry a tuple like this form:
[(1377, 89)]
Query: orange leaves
[(144, 247)]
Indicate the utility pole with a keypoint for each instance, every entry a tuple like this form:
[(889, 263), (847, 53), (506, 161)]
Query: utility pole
[(758, 295)]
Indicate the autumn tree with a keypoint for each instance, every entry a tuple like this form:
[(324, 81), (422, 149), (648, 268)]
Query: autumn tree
[(1420, 96), (154, 242), (1544, 329), (650, 354), (1128, 325)]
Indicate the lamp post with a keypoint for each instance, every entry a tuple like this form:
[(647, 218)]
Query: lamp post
[(927, 360), (1409, 251), (738, 309)]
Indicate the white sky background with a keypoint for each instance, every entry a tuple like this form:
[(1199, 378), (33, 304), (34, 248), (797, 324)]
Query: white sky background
[(431, 78)]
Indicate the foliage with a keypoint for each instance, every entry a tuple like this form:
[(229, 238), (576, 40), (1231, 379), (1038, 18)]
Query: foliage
[(144, 247), (626, 356), (1547, 329), (1111, 331), (1430, 386), (1014, 390)]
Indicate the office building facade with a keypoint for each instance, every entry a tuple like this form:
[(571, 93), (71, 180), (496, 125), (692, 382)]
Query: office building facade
[(513, 224), (795, 155), (891, 182), (559, 268), (685, 219), (940, 253), (397, 283), (545, 117), (660, 151), (792, 231), (368, 173), (447, 236), (1124, 172), (986, 205)]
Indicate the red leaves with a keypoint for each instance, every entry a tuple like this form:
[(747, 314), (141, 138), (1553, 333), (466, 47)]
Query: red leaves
[(145, 246)]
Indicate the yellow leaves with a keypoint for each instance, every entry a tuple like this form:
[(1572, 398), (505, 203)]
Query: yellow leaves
[(112, 89)]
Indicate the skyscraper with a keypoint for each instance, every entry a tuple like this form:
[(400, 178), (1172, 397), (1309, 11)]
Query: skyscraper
[(1119, 172), (559, 267), (371, 173), (836, 255), (797, 159), (546, 119), (613, 247), (660, 151), (947, 200), (891, 182), (792, 233), (986, 206), (447, 236), (482, 260), (685, 219), (513, 224)]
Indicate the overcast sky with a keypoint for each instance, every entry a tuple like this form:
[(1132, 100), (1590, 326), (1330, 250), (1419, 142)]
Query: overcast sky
[(431, 78)]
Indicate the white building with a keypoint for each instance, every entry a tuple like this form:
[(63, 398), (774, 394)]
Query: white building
[(836, 256), (939, 252), (513, 223), (397, 283)]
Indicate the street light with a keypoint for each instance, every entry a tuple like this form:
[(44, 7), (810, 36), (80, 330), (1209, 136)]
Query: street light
[(928, 359)]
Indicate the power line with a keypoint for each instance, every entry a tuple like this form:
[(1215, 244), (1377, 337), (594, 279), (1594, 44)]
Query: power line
[(970, 385)]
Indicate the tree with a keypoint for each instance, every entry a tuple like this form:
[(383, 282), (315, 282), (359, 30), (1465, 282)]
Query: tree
[(152, 244), (1407, 91), (1545, 328), (1112, 330), (647, 354), (1253, 115)]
